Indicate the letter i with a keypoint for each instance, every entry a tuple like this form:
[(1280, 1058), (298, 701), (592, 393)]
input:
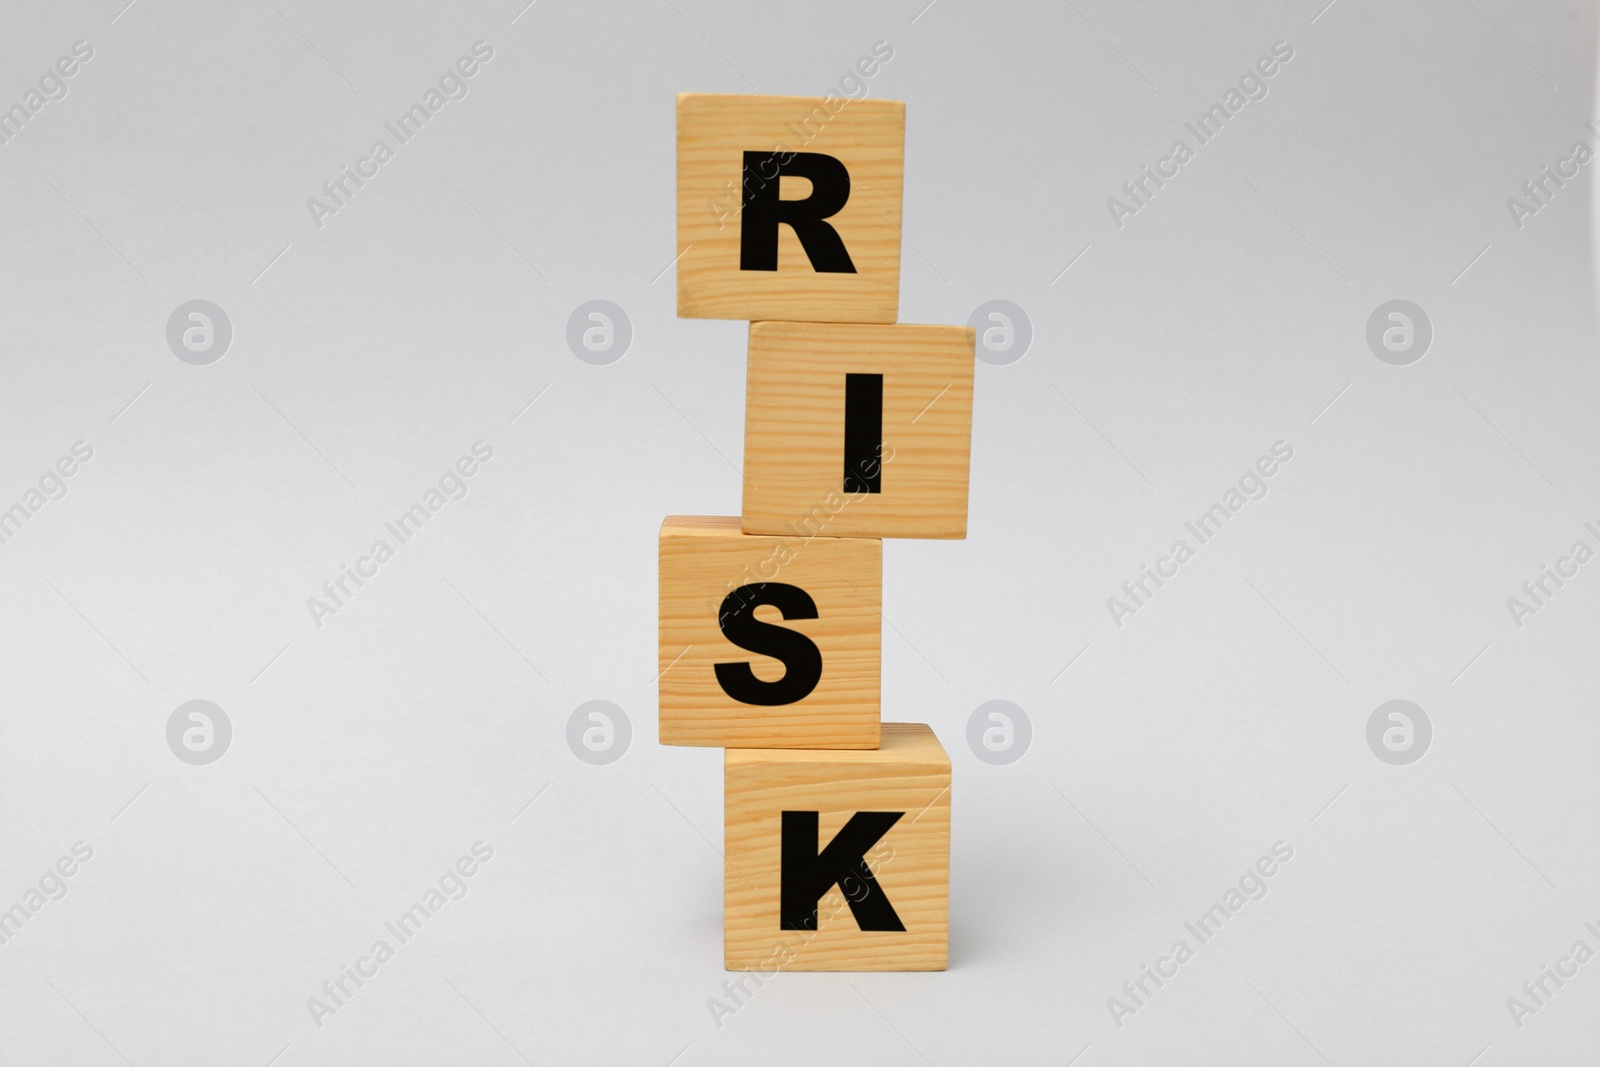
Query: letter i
[(863, 432)]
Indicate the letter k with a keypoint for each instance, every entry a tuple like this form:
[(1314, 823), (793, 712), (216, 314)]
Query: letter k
[(807, 874)]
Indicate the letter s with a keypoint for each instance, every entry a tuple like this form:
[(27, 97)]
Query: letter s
[(801, 658)]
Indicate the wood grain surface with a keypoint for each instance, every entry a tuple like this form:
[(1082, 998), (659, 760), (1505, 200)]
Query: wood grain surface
[(794, 429), (714, 132), (702, 560), (910, 773)]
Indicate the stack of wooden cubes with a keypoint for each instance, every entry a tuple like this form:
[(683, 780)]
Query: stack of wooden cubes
[(836, 824)]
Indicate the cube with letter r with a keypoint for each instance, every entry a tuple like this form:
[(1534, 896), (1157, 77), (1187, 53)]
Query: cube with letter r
[(789, 207)]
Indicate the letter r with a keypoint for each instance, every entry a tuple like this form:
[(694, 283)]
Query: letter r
[(762, 211)]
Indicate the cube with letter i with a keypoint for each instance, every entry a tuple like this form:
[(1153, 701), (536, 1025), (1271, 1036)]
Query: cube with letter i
[(858, 430)]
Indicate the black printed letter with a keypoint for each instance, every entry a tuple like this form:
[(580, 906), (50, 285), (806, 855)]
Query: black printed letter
[(805, 874), (762, 211), (863, 432), (800, 656)]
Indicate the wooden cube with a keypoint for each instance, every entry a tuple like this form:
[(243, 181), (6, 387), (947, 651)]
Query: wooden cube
[(768, 642), (838, 861), (789, 207), (858, 430)]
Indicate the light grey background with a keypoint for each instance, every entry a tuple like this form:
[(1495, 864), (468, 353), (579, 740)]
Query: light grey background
[(428, 712)]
